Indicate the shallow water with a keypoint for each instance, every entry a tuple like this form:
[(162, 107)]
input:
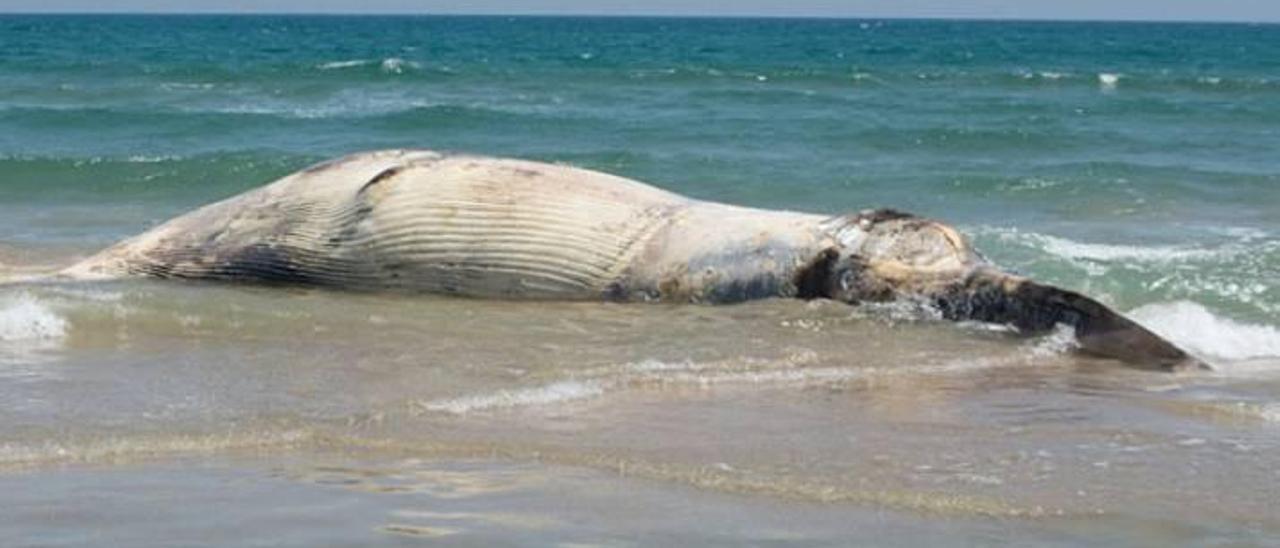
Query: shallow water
[(146, 413), (748, 413)]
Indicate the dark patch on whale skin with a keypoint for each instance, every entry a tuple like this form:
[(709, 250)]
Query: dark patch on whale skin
[(272, 264), (880, 215), (813, 280), (733, 275), (1029, 306), (154, 268), (616, 291), (526, 173), (737, 289)]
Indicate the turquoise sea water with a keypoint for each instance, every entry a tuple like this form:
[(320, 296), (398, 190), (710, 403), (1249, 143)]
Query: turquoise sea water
[(1147, 151), (1135, 162)]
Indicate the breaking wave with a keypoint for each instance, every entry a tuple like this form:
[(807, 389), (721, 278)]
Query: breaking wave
[(1228, 269), (1204, 333), (389, 65), (30, 331), (1086, 251), (26, 319)]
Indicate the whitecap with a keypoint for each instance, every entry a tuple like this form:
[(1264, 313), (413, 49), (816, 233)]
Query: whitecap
[(29, 330), (1109, 80), (1041, 75), (348, 105), (1030, 184), (396, 65), (145, 159), (1074, 250), (1059, 341), (343, 64), (1114, 252), (1201, 332), (1270, 412), (172, 86), (26, 319)]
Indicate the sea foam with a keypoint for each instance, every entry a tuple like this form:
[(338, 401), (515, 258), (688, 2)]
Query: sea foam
[(556, 392), (390, 65), (1074, 250), (1108, 80), (26, 319), (799, 369), (1208, 335), (333, 65), (29, 329)]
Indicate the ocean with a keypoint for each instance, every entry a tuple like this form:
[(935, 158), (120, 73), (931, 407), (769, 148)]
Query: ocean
[(1135, 162)]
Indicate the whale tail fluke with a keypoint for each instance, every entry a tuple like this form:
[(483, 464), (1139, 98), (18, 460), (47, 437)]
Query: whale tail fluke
[(1032, 307), (890, 255)]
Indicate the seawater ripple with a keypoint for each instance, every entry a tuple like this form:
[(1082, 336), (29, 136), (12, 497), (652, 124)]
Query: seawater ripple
[(1133, 162), (1090, 155)]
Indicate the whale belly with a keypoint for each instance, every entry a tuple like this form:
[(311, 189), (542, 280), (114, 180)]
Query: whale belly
[(417, 221), (506, 228)]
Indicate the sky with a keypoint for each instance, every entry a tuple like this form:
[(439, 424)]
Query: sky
[(1148, 10)]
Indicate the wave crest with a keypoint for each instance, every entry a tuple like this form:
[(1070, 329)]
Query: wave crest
[(25, 319), (1202, 332), (1228, 267), (389, 65)]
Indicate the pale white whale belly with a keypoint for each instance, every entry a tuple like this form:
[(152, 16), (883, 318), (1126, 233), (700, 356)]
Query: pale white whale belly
[(423, 221)]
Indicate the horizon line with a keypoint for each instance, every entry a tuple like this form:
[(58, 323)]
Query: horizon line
[(397, 13)]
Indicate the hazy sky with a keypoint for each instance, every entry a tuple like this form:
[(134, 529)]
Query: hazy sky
[(1196, 10)]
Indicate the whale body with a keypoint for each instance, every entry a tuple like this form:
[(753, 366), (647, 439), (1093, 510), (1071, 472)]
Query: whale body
[(423, 221)]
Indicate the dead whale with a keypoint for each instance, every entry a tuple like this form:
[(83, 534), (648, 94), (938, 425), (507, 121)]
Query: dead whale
[(422, 221)]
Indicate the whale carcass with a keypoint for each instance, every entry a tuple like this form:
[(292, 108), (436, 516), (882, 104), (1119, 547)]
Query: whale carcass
[(423, 221)]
